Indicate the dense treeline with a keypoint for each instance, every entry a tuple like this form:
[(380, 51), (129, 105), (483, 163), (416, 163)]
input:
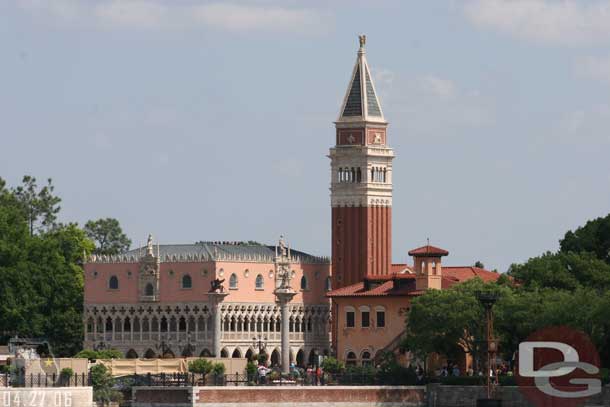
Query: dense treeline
[(570, 287), (41, 275)]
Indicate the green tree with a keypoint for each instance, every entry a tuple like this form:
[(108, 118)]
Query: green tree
[(41, 276), (479, 264), (449, 321), (108, 236), (40, 205), (102, 382), (218, 368), (332, 365), (593, 237), (201, 366), (565, 271)]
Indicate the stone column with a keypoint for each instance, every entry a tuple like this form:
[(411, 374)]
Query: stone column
[(215, 299), (284, 296)]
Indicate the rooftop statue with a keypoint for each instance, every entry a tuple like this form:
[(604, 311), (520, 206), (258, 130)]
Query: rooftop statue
[(216, 285), (149, 246)]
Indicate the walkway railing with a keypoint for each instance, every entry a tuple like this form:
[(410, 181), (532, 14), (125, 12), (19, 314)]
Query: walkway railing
[(43, 380), (238, 379)]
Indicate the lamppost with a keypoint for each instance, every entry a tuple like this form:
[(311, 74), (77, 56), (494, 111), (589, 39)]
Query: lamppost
[(487, 300), (101, 345), (260, 342), (187, 349), (163, 347)]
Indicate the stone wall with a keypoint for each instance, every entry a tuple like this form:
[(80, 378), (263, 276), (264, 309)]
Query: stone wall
[(46, 397), (464, 396), (286, 396)]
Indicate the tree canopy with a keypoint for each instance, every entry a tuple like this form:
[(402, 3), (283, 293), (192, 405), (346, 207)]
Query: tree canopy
[(41, 274), (570, 287), (593, 237), (107, 235)]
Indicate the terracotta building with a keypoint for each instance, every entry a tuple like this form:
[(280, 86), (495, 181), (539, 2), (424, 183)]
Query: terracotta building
[(370, 295), (155, 301)]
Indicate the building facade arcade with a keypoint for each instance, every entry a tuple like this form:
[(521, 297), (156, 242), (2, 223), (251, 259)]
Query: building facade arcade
[(157, 301)]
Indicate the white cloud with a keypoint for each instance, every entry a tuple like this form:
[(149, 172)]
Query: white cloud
[(164, 14), (597, 68), (444, 89), (430, 104), (133, 13), (233, 17), (557, 22)]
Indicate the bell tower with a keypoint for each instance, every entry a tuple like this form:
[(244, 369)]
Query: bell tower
[(361, 182)]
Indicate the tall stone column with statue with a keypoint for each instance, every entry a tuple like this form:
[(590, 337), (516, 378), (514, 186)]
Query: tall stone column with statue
[(284, 294), (216, 295)]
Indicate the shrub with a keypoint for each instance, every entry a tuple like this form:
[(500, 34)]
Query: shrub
[(274, 375), (87, 354), (218, 368), (102, 382), (251, 369), (102, 354), (202, 366), (65, 375), (110, 354), (392, 372), (332, 365)]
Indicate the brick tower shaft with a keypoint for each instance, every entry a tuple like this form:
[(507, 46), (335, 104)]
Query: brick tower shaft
[(361, 183)]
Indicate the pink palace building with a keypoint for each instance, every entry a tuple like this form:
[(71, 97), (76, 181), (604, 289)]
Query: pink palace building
[(155, 301)]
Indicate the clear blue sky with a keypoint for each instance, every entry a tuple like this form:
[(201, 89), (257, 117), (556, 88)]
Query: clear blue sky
[(199, 120)]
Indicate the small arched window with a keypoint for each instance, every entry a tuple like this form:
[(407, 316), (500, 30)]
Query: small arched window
[(366, 358), (113, 283), (187, 281), (149, 290), (328, 284), (259, 282), (303, 283), (233, 281), (350, 360)]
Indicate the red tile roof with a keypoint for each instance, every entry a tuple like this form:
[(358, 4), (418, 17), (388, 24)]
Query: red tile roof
[(427, 251), (397, 268), (466, 273), (451, 276)]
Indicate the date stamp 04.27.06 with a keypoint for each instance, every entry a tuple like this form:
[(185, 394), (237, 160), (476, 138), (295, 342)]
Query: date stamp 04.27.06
[(36, 398)]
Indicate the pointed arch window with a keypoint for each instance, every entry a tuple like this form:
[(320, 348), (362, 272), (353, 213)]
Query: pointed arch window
[(187, 281), (328, 284), (149, 291), (260, 282), (304, 283), (233, 282), (113, 283)]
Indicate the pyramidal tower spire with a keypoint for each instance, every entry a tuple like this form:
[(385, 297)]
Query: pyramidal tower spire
[(361, 102), (361, 182)]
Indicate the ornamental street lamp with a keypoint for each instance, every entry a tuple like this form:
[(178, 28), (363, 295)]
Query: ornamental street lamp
[(488, 300), (101, 345), (260, 342), (163, 347), (187, 349)]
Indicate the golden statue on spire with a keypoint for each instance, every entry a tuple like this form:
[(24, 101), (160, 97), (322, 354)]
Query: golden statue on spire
[(362, 39)]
